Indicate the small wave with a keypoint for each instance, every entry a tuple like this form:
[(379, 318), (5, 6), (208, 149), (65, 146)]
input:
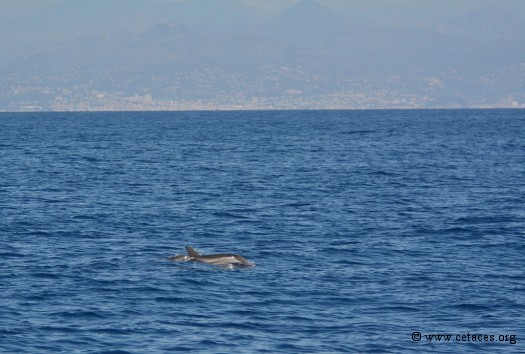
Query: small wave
[(288, 347), (475, 220), (455, 230), (400, 308), (38, 233), (471, 307), (382, 173), (84, 217), (91, 159), (45, 275), (348, 262), (112, 331), (80, 314), (443, 231), (8, 146), (11, 255), (227, 215), (357, 132), (298, 204), (59, 329), (175, 300), (35, 298)]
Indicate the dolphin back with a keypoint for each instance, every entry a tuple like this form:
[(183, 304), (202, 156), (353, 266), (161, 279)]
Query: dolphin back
[(192, 252)]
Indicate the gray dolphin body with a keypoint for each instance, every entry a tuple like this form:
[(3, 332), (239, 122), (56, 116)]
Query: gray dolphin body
[(223, 259)]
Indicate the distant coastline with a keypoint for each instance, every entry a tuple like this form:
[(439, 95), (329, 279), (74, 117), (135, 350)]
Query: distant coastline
[(147, 103), (241, 109)]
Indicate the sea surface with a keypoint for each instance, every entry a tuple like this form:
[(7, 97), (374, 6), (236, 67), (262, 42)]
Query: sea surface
[(367, 228)]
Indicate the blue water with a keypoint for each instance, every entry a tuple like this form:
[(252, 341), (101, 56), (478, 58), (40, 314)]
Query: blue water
[(366, 226)]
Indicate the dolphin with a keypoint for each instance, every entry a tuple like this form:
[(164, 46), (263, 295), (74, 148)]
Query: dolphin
[(229, 260)]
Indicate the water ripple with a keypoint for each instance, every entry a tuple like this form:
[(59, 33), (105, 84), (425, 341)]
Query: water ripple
[(365, 227)]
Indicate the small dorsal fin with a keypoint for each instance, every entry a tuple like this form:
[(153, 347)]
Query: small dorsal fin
[(192, 252)]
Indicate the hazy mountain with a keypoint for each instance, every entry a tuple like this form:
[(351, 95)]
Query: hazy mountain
[(307, 22), (475, 19), (75, 54)]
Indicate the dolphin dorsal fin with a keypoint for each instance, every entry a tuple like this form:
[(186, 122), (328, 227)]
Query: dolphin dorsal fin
[(192, 252)]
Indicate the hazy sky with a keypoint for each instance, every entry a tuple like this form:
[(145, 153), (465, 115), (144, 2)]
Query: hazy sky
[(10, 9), (14, 10)]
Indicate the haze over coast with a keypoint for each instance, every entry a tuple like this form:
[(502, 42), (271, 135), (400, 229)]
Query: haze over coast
[(61, 55)]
